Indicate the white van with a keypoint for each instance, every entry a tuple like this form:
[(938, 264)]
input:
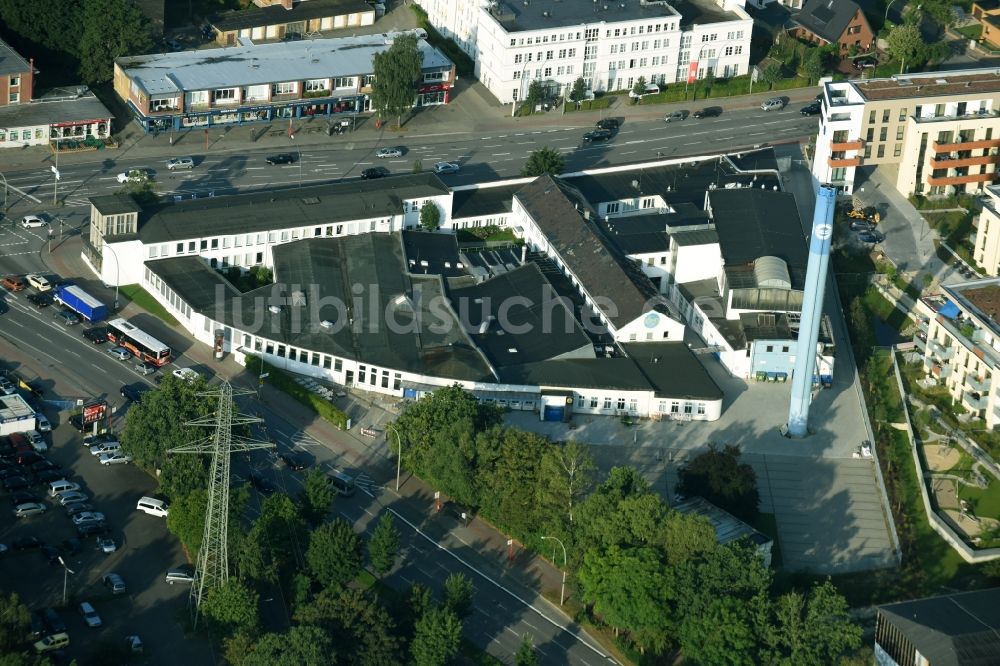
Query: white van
[(57, 488), (152, 506), (342, 483)]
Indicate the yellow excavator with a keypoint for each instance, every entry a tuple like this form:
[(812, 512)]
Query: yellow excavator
[(859, 211)]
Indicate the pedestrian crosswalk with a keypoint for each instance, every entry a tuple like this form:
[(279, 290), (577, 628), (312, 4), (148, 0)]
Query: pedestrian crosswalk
[(366, 483)]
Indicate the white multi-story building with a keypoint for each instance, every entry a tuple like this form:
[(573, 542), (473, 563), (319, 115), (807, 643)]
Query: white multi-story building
[(609, 44)]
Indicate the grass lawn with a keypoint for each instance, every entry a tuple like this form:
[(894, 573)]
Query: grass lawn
[(970, 31), (144, 300), (465, 236), (590, 104)]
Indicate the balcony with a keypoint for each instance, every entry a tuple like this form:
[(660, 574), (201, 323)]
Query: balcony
[(924, 324), (920, 340), (943, 353), (961, 180), (847, 145), (941, 371), (954, 163), (964, 145), (965, 116), (978, 384), (974, 401), (844, 161)]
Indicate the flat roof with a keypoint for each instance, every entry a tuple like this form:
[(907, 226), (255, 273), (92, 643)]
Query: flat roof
[(256, 64), (543, 14), (596, 373), (11, 61), (289, 207), (483, 201), (14, 408), (930, 84), (41, 112), (981, 298), (194, 281), (114, 204), (252, 17), (432, 253), (673, 370)]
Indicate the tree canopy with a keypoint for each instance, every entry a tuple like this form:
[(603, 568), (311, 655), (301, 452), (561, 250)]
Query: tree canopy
[(906, 44), (437, 638), (718, 476), (542, 161), (383, 544), (110, 29), (396, 70), (231, 607), (317, 496), (334, 554), (430, 216)]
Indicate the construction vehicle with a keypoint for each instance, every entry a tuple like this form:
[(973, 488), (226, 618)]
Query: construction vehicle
[(859, 211)]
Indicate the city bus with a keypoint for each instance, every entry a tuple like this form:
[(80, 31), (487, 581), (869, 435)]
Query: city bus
[(141, 344)]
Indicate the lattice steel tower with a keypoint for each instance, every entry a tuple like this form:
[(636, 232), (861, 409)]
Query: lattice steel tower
[(212, 569)]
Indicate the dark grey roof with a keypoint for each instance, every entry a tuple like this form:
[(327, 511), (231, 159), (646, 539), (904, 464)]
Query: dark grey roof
[(277, 15), (542, 14), (648, 243), (778, 326), (598, 373), (961, 629), (558, 210), (754, 223), (522, 318), (483, 201), (276, 209), (677, 184), (11, 61), (673, 370), (194, 282), (432, 253), (114, 204), (826, 18), (696, 237), (755, 160), (42, 112)]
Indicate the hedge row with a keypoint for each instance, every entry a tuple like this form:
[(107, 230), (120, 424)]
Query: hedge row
[(286, 382)]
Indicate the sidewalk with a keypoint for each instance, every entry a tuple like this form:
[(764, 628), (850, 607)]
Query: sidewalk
[(474, 111)]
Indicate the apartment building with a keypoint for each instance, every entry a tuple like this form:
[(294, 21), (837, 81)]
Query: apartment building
[(959, 336), (290, 19), (938, 132), (266, 82), (609, 44), (16, 77)]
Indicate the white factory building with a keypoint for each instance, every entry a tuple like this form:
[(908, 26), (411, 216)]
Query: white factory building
[(609, 43)]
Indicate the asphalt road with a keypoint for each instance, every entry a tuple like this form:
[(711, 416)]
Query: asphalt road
[(231, 166)]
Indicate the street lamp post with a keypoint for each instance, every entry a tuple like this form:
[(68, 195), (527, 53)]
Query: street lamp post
[(66, 572), (562, 589), (887, 7), (399, 446)]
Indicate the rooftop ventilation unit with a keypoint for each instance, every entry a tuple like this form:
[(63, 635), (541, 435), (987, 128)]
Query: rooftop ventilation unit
[(327, 324)]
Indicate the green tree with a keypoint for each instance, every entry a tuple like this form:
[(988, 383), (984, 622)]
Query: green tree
[(383, 544), (906, 45), (811, 629), (507, 461), (355, 621), (437, 638), (299, 646), (430, 216), (719, 477), (53, 24), (812, 65), (861, 326), (536, 93), (237, 647), (526, 655), (187, 519), (110, 29), (639, 88), (142, 191), (545, 160), (275, 543), (231, 608), (396, 70), (334, 554), (564, 477), (771, 73), (940, 12), (458, 591), (317, 496), (418, 166), (579, 90), (722, 634), (14, 621)]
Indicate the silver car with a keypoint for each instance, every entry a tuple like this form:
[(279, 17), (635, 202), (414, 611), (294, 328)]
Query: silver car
[(29, 509), (120, 353), (116, 458), (446, 167), (389, 152), (180, 163), (775, 103)]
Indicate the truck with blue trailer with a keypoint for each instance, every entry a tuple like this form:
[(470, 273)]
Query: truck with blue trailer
[(79, 301)]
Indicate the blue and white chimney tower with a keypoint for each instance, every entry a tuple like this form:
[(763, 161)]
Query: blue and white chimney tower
[(812, 311)]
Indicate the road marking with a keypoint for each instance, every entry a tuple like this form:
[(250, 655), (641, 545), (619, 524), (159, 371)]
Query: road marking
[(627, 152), (499, 154), (94, 365), (495, 145)]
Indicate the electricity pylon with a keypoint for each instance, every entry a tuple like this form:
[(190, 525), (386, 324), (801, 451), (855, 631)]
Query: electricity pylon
[(212, 569)]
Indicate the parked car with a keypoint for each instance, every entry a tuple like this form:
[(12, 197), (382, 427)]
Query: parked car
[(864, 63), (76, 508), (32, 221), (88, 517), (44, 466), (280, 158), (446, 167), (51, 554), (114, 582), (144, 368), (26, 543), (13, 483), (180, 575), (72, 496), (90, 615), (106, 545), (871, 236), (133, 176), (6, 386), (811, 109), (59, 488), (52, 642), (133, 392), (374, 172), (23, 497), (708, 112), (37, 624), (260, 484), (292, 463), (608, 124), (120, 353), (596, 136), (861, 225), (28, 458), (39, 282), (14, 283), (49, 475), (29, 509), (114, 459), (68, 317), (650, 89), (42, 423), (71, 546), (54, 622), (180, 163), (105, 447), (90, 529), (187, 374), (675, 115), (773, 104), (389, 151), (96, 335)]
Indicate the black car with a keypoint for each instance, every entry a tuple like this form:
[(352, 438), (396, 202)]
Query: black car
[(260, 484), (597, 135), (609, 123), (28, 458), (281, 158), (862, 225), (811, 109), (864, 63), (26, 543), (133, 392), (708, 112), (49, 475), (90, 529), (40, 300), (871, 237), (96, 335), (4, 308), (13, 483), (374, 172), (55, 623), (37, 624), (23, 497), (51, 554), (72, 546), (10, 473), (43, 465), (74, 508), (292, 463)]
